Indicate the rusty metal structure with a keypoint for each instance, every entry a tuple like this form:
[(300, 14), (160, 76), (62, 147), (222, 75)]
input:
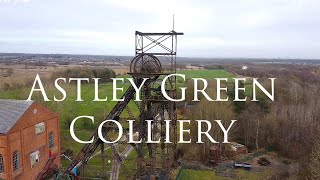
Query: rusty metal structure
[(155, 58)]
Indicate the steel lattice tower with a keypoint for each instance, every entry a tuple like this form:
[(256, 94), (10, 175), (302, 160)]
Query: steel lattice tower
[(155, 58)]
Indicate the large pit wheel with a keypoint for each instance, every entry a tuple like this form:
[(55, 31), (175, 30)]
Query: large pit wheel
[(145, 64)]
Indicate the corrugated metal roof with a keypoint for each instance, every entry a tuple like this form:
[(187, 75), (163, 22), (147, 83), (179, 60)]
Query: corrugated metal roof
[(10, 112)]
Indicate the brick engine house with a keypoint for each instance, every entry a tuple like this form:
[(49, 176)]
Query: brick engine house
[(29, 140)]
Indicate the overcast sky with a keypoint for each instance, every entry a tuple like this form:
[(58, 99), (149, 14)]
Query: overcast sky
[(213, 28)]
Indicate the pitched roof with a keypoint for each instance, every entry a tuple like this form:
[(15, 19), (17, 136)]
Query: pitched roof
[(10, 112)]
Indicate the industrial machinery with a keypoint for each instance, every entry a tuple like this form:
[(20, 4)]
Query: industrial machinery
[(155, 58)]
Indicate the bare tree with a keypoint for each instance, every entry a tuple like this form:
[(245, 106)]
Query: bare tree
[(250, 124), (314, 166)]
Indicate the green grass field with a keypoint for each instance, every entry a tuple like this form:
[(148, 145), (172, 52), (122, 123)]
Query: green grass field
[(189, 174), (70, 109)]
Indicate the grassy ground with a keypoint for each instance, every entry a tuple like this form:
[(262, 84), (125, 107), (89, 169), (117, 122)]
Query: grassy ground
[(248, 175), (189, 174), (69, 109)]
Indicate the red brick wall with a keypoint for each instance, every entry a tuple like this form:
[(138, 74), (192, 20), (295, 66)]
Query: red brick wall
[(52, 125), (4, 155), (22, 137), (3, 141), (14, 144)]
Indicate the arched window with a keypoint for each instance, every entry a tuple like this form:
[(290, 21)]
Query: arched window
[(15, 161), (51, 140), (1, 164)]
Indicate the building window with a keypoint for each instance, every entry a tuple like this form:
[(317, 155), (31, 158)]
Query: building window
[(51, 140), (34, 158), (1, 164), (40, 128), (15, 161)]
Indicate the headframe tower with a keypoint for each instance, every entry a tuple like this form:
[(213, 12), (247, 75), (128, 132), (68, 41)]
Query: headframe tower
[(155, 58)]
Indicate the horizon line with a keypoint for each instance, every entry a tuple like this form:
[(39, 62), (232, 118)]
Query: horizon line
[(262, 58)]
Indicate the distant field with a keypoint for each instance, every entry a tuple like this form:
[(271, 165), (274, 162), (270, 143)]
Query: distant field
[(22, 73), (206, 74)]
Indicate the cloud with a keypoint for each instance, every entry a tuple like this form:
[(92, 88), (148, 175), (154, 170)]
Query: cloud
[(273, 28)]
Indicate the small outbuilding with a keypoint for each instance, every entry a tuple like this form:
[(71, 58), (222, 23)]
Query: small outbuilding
[(239, 148), (29, 140)]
